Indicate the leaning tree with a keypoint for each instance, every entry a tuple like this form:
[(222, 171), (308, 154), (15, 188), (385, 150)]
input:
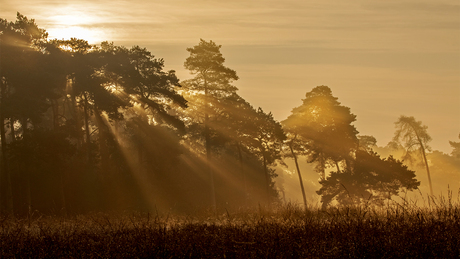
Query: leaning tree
[(414, 137)]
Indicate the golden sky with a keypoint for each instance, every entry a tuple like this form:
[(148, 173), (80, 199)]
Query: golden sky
[(382, 58)]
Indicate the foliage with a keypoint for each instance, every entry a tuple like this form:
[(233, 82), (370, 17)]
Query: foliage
[(372, 180), (456, 148), (322, 128), (414, 137), (207, 64), (208, 93), (87, 127)]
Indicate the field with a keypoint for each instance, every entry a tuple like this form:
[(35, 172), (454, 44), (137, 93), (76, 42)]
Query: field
[(393, 231)]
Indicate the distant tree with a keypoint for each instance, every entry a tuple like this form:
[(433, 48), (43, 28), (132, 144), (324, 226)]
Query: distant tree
[(372, 179), (212, 83), (445, 172), (322, 129), (366, 142), (414, 137), (456, 148)]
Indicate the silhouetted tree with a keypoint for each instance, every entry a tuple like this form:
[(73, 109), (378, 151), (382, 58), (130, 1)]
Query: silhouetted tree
[(366, 142), (136, 76), (23, 95), (414, 137), (212, 83), (263, 136), (445, 173), (372, 179), (456, 148), (42, 157), (322, 130), (255, 136)]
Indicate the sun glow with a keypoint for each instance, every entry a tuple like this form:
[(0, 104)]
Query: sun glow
[(93, 36), (71, 23)]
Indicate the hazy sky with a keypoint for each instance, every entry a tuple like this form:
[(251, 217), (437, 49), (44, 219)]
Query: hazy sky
[(382, 58)]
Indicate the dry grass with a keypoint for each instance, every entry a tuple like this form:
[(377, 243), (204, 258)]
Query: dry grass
[(398, 230)]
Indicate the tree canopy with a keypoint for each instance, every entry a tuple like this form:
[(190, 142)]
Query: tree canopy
[(323, 128), (371, 180), (414, 138)]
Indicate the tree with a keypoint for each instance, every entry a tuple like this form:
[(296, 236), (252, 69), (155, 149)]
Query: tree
[(414, 137), (70, 94), (136, 76), (293, 144), (42, 157), (322, 130), (372, 179), (264, 137), (211, 83), (22, 95), (456, 148)]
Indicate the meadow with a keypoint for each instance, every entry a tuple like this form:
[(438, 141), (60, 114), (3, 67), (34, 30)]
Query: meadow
[(395, 230)]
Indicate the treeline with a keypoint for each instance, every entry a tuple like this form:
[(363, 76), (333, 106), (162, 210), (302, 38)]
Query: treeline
[(88, 128)]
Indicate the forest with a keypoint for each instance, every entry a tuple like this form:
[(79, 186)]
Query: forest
[(90, 128)]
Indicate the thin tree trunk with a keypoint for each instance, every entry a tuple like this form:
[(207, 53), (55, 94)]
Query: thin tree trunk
[(300, 176), (13, 133), (55, 110), (267, 179), (103, 136), (243, 173), (208, 147), (427, 167), (28, 193), (63, 196), (73, 109), (322, 164), (5, 179), (25, 138), (87, 133), (422, 148), (337, 165)]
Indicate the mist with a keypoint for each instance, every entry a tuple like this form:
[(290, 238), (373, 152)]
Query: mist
[(105, 134)]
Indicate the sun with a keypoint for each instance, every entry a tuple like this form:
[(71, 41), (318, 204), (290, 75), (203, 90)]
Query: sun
[(71, 23)]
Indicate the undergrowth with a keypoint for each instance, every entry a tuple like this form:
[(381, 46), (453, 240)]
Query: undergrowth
[(396, 230)]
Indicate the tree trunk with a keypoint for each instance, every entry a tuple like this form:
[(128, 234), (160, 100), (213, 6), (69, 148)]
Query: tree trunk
[(25, 139), (87, 133), (243, 173), (337, 165), (422, 149), (73, 109), (323, 166), (208, 147), (267, 178), (55, 110), (13, 133), (103, 137), (427, 167), (300, 176), (5, 179)]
